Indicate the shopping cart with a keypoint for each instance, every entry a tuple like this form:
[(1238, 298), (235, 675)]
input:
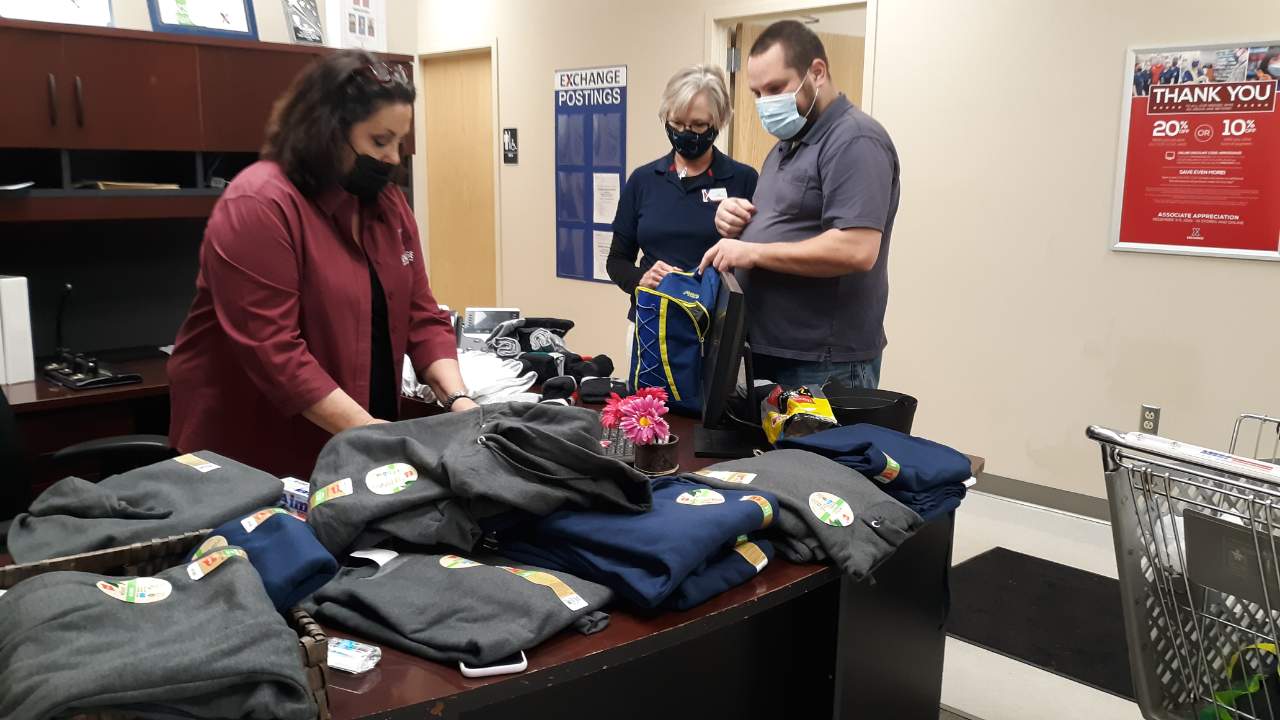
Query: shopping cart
[(1196, 537)]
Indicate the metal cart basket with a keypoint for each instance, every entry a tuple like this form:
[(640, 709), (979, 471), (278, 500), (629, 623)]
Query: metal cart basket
[(1197, 534)]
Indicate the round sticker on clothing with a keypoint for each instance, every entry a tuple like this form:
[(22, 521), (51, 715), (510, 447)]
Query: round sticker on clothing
[(140, 591), (830, 509), (454, 562), (390, 479), (700, 497)]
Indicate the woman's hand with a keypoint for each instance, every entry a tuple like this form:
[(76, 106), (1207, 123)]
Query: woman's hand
[(655, 274)]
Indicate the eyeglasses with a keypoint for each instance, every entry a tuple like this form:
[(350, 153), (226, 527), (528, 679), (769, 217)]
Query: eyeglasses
[(384, 74), (698, 127)]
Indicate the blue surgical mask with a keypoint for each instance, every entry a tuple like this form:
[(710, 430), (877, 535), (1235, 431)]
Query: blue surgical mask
[(779, 114)]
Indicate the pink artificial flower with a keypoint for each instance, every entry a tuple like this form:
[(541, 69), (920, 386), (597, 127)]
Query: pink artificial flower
[(653, 392), (612, 413), (642, 420)]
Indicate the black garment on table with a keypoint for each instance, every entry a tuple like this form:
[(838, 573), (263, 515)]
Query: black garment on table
[(384, 397)]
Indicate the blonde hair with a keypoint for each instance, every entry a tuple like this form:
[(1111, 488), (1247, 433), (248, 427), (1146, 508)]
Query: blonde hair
[(688, 83)]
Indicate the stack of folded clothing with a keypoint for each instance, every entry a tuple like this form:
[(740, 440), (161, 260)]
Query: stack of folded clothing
[(827, 510), (921, 474), (490, 379), (283, 549), (681, 553), (474, 609), (188, 493), (203, 643), (515, 337), (431, 481)]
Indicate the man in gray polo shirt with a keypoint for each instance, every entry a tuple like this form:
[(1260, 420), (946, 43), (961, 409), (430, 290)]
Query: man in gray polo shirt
[(811, 248)]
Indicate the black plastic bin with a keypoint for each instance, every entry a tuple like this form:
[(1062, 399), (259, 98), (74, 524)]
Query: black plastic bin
[(885, 408)]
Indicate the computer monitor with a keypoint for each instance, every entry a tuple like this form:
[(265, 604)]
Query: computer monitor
[(726, 433)]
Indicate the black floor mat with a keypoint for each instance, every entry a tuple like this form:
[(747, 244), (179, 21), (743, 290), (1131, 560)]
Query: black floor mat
[(1057, 618)]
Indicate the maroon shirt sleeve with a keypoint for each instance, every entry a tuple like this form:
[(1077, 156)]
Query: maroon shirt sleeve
[(252, 271), (431, 335)]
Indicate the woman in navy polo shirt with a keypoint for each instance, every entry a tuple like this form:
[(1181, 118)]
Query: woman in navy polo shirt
[(668, 207)]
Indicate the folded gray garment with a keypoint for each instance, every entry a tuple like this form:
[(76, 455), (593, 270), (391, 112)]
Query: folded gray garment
[(214, 648), (824, 505), (170, 497), (800, 550), (429, 481), (449, 608)]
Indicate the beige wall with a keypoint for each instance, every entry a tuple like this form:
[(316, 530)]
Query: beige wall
[(1009, 317), (402, 21), (534, 39)]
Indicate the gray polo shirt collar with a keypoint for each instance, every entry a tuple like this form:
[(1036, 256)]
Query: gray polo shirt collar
[(822, 125)]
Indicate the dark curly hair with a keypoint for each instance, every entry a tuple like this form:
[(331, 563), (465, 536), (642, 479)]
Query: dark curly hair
[(307, 132)]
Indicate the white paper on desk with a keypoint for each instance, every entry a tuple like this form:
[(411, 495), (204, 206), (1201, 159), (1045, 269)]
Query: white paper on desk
[(601, 241), (166, 349), (17, 186), (607, 188), (381, 556)]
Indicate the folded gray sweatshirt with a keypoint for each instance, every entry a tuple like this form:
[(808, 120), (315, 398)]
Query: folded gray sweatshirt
[(430, 481), (170, 497), (212, 648), (825, 507), (449, 608)]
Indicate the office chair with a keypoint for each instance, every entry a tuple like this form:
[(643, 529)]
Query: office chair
[(109, 455)]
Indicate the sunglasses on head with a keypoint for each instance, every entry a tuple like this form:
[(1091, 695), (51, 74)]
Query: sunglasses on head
[(383, 73)]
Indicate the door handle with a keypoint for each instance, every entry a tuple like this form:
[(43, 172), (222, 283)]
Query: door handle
[(53, 100), (79, 102)]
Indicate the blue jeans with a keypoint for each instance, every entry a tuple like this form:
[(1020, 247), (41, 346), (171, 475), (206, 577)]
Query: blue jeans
[(815, 373)]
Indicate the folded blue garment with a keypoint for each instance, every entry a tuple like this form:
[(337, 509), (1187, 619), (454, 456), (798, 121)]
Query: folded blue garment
[(926, 476), (691, 531), (283, 549), (731, 569)]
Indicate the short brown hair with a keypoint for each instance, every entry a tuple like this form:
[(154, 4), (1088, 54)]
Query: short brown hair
[(309, 123), (800, 45)]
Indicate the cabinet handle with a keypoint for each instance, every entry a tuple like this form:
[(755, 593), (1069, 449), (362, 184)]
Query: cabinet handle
[(53, 100), (79, 102)]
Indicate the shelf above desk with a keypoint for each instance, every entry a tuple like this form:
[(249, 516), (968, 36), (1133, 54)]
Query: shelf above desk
[(39, 205)]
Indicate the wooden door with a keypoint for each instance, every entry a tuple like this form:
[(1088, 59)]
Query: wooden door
[(132, 94), (238, 88), (749, 142), (460, 168), (31, 76)]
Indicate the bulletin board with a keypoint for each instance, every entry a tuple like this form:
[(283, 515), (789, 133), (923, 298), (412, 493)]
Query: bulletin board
[(590, 167)]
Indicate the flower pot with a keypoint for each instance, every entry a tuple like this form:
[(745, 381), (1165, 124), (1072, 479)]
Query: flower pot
[(659, 460)]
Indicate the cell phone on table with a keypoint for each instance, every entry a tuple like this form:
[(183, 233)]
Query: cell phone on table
[(507, 665)]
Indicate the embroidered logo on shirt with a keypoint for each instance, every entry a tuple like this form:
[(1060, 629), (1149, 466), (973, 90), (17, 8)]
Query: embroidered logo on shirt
[(406, 257)]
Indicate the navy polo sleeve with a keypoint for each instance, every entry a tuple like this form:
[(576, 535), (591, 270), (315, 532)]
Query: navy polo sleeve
[(626, 220)]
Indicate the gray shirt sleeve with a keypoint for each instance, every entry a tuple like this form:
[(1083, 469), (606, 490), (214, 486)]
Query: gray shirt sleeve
[(857, 184)]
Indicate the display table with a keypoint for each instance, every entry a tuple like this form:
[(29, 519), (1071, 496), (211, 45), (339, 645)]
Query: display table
[(798, 641)]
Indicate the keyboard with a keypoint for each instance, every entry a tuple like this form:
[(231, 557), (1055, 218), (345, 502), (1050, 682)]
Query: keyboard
[(617, 446)]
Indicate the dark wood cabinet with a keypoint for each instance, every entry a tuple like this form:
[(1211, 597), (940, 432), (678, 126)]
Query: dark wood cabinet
[(238, 87), (132, 94), (32, 80)]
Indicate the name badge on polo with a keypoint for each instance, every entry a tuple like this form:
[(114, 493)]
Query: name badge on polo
[(715, 195)]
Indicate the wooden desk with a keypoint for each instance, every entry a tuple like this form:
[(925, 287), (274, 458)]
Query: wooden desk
[(51, 417), (798, 641)]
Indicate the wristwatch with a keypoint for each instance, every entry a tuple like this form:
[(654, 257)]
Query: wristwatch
[(454, 397)]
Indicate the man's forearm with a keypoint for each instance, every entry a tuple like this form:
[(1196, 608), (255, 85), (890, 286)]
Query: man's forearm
[(830, 254)]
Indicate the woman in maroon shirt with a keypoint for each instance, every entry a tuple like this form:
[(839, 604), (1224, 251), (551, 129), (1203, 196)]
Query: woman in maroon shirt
[(311, 287)]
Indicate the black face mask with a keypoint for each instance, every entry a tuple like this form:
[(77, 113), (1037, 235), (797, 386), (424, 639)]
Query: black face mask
[(689, 144), (367, 177)]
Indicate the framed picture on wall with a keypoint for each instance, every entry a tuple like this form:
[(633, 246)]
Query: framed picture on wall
[(1195, 167), (75, 12), (219, 18), (304, 21)]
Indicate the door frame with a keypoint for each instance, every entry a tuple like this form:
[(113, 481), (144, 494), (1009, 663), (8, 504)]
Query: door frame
[(422, 210), (721, 18)]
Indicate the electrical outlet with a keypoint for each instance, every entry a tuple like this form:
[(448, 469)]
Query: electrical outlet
[(1149, 420)]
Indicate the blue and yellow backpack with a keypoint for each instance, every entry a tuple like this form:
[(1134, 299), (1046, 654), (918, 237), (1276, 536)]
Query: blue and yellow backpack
[(672, 323)]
